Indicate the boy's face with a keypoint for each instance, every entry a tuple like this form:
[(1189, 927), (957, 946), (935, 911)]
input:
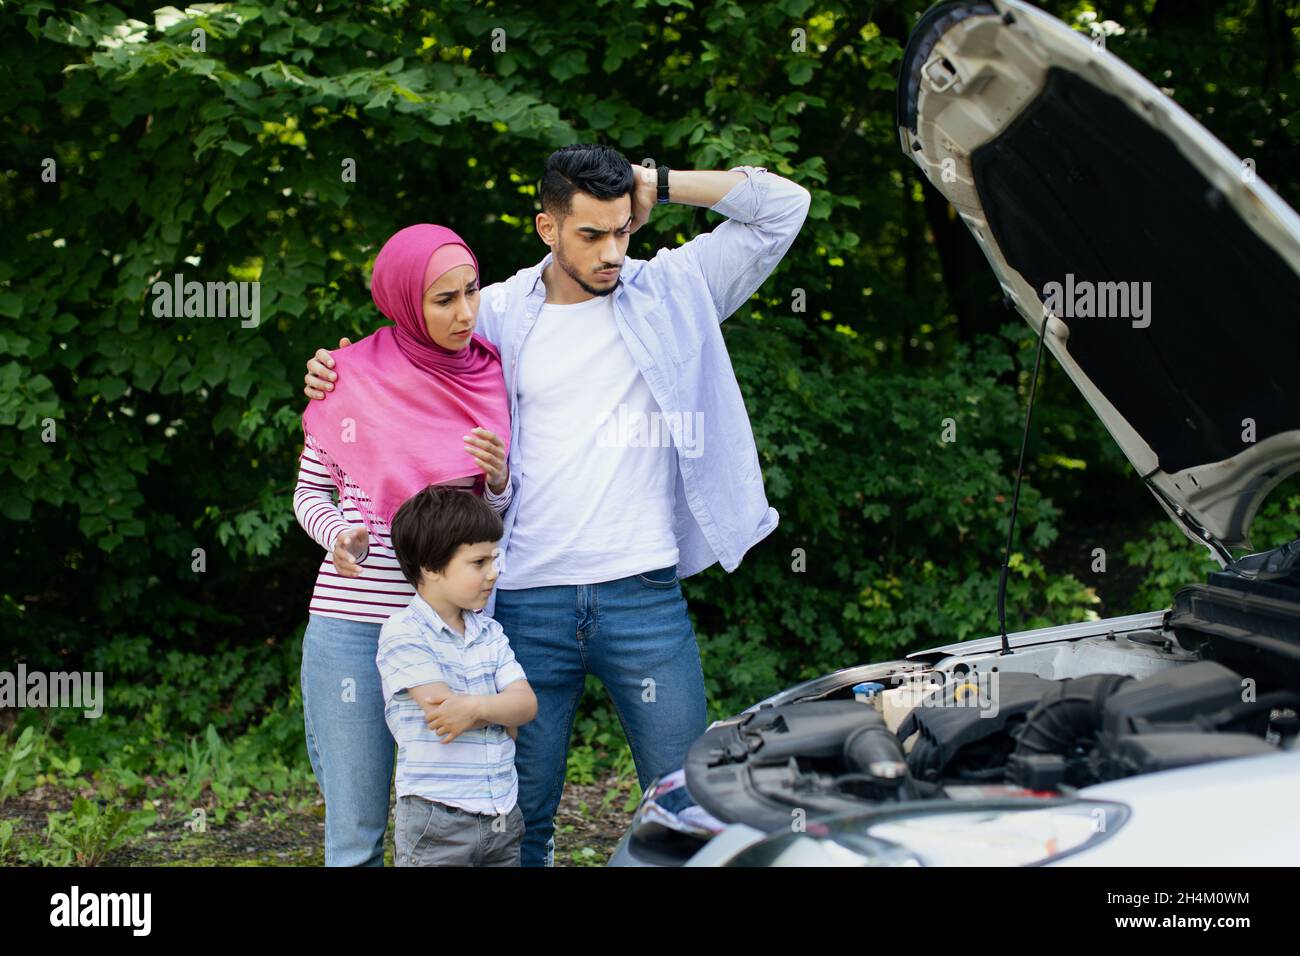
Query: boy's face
[(469, 577)]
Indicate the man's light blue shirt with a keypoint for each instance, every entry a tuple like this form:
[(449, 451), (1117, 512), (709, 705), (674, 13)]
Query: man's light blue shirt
[(669, 311)]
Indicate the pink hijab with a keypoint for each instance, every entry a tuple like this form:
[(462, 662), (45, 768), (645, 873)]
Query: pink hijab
[(395, 420)]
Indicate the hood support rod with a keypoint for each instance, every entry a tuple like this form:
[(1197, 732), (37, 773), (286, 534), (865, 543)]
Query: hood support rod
[(1015, 500)]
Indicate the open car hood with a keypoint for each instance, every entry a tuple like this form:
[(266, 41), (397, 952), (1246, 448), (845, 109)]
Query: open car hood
[(1168, 273)]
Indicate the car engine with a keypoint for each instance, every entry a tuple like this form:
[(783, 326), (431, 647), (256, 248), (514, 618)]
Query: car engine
[(1220, 678)]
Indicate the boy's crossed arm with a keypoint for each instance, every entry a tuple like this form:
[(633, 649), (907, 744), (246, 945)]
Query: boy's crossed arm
[(451, 714)]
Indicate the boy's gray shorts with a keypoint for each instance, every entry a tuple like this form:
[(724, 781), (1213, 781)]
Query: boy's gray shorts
[(429, 833)]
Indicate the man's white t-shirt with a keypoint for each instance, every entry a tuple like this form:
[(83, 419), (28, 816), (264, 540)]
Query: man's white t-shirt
[(599, 466)]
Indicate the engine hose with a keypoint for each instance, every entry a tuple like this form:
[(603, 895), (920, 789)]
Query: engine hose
[(874, 752), (1068, 715)]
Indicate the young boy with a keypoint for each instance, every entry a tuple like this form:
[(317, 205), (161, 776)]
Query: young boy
[(453, 691)]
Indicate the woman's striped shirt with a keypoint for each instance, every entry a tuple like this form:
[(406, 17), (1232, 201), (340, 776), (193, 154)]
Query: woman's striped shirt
[(381, 589)]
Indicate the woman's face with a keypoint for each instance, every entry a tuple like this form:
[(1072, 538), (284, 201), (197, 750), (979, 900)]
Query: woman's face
[(451, 307)]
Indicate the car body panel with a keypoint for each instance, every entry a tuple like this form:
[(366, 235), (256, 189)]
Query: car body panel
[(1229, 813)]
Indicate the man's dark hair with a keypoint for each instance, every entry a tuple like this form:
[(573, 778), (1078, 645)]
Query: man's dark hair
[(599, 171), (431, 525)]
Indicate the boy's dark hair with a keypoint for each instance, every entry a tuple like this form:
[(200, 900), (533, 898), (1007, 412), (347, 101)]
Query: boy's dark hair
[(431, 525), (599, 171)]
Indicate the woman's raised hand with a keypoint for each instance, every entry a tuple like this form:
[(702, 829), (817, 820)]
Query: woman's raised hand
[(349, 548), (320, 372), (491, 454)]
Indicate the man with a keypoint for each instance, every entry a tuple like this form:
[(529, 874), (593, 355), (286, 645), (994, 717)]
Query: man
[(632, 463)]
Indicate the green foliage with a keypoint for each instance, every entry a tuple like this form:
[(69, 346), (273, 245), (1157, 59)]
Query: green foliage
[(197, 783), (89, 832), (1172, 560), (8, 846), (13, 761), (897, 542), (209, 765)]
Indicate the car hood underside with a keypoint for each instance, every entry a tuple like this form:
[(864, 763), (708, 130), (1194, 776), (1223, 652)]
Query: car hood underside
[(1171, 276)]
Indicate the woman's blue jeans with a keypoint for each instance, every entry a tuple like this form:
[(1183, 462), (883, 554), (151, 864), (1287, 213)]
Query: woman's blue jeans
[(351, 749), (634, 634)]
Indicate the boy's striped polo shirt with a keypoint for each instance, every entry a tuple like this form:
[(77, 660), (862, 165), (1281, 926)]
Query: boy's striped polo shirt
[(476, 771)]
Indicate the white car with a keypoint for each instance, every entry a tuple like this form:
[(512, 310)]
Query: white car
[(1163, 275)]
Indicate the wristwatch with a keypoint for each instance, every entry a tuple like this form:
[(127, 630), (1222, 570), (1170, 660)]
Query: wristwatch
[(663, 184)]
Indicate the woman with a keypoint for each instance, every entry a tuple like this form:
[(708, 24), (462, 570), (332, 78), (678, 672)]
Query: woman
[(423, 403)]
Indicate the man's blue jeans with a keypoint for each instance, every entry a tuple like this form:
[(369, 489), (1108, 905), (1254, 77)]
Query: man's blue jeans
[(348, 741), (635, 635)]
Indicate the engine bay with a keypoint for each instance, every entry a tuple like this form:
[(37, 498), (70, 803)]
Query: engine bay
[(1218, 680)]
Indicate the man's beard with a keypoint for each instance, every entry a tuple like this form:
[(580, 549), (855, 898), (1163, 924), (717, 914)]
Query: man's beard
[(573, 274)]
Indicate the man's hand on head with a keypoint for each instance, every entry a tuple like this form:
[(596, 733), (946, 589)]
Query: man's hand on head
[(644, 195), (320, 374)]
